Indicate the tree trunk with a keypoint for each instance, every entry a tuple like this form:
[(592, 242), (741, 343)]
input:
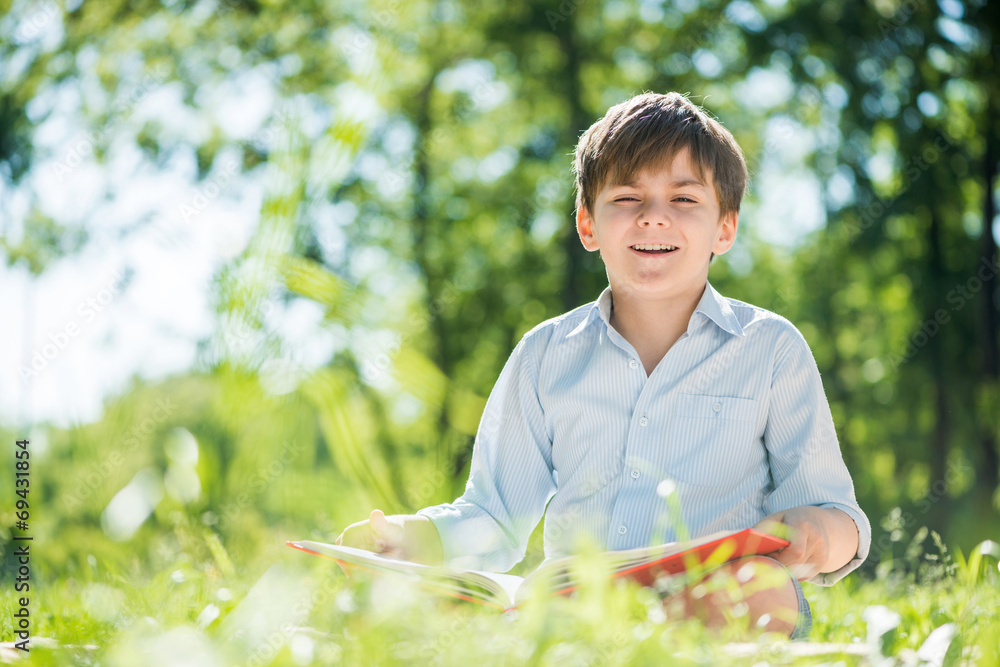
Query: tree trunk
[(938, 458), (421, 222), (991, 342), (422, 231), (575, 253)]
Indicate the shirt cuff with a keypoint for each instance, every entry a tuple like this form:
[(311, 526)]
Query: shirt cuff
[(864, 543), (471, 539)]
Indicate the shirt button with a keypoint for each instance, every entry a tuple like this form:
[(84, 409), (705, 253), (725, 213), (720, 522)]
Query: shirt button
[(632, 363), (622, 529), (717, 407), (643, 421), (635, 473)]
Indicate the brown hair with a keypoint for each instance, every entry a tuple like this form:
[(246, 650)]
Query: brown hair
[(648, 130)]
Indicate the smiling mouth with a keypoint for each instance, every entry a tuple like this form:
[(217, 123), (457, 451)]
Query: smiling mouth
[(653, 248)]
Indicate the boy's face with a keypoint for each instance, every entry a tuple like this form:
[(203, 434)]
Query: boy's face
[(671, 207)]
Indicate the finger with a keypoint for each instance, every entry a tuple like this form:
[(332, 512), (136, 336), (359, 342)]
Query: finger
[(800, 558), (804, 542), (776, 517), (784, 557), (790, 556), (803, 571), (358, 535)]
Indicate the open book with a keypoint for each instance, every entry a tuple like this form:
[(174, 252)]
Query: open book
[(557, 576)]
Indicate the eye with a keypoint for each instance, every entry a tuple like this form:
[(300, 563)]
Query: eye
[(685, 199), (626, 199)]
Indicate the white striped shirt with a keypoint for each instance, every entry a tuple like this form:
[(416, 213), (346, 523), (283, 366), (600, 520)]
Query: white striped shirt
[(732, 425)]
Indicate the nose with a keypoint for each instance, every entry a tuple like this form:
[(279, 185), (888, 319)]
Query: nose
[(654, 214)]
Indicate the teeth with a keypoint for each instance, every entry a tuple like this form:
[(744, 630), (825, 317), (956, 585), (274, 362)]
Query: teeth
[(653, 246)]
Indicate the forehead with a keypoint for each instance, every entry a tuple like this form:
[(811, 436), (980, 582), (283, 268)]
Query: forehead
[(679, 169)]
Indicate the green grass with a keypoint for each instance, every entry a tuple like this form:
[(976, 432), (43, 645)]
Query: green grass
[(283, 607)]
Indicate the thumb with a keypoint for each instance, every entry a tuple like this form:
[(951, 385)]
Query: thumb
[(774, 525), (387, 534), (379, 523)]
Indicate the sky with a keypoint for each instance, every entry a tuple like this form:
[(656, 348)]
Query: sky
[(138, 298)]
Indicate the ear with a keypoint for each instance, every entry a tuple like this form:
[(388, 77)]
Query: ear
[(585, 227), (726, 233)]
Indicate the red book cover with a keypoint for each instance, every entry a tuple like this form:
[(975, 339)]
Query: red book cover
[(747, 542)]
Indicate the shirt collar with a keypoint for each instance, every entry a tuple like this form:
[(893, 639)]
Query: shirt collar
[(712, 305), (716, 307)]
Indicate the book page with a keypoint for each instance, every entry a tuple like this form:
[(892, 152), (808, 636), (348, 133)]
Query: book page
[(509, 583), (624, 558), (500, 589)]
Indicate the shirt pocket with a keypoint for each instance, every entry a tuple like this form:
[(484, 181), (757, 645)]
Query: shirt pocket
[(712, 439)]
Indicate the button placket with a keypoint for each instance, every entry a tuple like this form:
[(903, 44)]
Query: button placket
[(637, 440)]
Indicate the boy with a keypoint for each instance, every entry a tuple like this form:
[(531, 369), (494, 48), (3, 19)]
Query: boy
[(659, 391)]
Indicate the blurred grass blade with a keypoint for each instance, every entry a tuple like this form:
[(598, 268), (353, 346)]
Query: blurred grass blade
[(421, 377), (974, 567), (348, 429), (219, 554), (310, 279)]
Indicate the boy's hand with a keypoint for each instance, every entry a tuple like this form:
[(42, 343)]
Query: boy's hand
[(808, 550), (403, 536), (821, 539)]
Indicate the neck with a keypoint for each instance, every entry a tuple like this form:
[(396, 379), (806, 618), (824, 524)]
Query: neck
[(653, 323)]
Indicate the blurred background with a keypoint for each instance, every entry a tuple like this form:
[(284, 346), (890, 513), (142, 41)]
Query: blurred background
[(261, 263)]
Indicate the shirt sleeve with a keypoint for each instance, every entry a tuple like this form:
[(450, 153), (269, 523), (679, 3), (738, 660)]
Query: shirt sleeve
[(511, 475), (807, 467)]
